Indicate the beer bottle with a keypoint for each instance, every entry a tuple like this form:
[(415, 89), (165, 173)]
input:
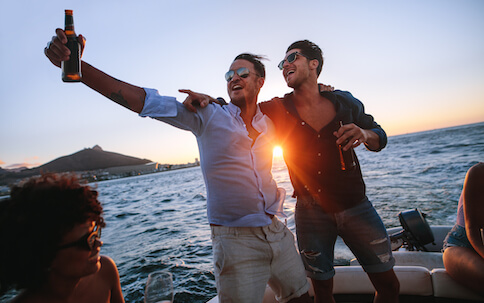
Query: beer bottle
[(71, 69), (346, 158)]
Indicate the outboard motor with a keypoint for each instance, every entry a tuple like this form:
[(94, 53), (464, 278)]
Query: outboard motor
[(416, 231)]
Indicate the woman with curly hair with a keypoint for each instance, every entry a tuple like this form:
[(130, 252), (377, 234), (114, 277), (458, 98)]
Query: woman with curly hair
[(50, 230)]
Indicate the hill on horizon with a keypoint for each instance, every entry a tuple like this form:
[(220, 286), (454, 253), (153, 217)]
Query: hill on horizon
[(89, 159), (85, 160)]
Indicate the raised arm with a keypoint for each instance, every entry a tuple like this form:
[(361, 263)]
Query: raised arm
[(130, 96)]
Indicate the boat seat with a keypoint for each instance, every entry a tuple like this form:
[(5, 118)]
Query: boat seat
[(414, 280), (429, 260), (445, 287)]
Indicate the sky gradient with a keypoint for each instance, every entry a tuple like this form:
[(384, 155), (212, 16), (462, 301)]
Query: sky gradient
[(416, 65)]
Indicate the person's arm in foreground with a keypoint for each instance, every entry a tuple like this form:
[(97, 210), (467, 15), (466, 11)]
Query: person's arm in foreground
[(464, 264), (125, 94), (474, 206)]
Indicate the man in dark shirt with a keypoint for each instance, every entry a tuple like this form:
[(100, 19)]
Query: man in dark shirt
[(317, 132)]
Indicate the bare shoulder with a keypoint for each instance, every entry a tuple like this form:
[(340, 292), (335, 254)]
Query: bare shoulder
[(105, 260), (108, 268), (110, 275)]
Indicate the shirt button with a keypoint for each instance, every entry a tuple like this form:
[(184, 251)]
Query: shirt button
[(319, 136), (303, 123), (319, 154), (319, 190), (319, 172)]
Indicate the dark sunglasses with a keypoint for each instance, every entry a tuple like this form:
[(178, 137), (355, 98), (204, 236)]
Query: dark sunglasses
[(291, 58), (87, 242), (243, 72)]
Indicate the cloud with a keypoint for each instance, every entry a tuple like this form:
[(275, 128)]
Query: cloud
[(29, 162), (26, 164), (19, 165)]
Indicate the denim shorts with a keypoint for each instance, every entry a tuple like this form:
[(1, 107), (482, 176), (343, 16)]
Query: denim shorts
[(360, 227), (457, 237), (246, 259)]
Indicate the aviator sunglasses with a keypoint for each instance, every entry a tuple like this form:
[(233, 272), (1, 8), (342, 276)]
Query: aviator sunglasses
[(291, 58), (87, 241), (243, 72)]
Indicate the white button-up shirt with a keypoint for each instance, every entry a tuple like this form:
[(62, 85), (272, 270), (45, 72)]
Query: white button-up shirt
[(237, 170)]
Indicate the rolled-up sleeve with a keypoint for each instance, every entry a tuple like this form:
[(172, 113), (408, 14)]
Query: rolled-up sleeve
[(157, 106), (169, 110)]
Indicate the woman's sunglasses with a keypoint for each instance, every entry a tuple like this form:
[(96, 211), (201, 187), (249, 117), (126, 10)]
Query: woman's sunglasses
[(87, 242), (243, 72), (291, 58)]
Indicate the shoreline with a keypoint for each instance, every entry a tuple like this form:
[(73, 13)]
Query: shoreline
[(107, 174)]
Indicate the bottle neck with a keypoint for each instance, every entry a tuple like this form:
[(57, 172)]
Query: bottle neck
[(69, 25)]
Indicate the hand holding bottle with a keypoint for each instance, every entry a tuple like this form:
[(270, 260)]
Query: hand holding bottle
[(57, 51), (346, 154), (351, 136)]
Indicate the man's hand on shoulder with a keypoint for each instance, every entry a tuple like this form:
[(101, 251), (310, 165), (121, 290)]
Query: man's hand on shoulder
[(195, 100), (325, 88)]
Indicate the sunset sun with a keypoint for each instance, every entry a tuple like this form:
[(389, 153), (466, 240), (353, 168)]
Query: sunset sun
[(277, 152)]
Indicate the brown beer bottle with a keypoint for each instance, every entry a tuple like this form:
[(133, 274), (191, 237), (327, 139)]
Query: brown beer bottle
[(346, 158), (71, 69)]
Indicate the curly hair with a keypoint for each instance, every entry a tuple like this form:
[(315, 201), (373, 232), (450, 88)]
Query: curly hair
[(33, 222)]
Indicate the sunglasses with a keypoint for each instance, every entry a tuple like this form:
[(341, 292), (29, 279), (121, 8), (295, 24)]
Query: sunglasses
[(291, 58), (243, 72), (87, 242)]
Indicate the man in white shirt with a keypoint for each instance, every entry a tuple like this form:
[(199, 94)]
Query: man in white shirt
[(251, 246)]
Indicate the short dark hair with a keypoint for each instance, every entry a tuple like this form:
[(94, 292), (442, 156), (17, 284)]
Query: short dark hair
[(256, 60), (33, 221), (311, 50)]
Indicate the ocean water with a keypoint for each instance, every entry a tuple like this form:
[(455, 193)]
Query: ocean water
[(158, 221)]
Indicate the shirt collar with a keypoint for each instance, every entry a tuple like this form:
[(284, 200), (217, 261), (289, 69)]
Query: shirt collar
[(340, 107), (259, 121), (233, 109)]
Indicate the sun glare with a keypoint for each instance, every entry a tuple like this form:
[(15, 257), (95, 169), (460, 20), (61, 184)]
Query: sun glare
[(277, 152)]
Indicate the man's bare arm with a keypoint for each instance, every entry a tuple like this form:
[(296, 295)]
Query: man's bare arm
[(130, 96), (125, 94)]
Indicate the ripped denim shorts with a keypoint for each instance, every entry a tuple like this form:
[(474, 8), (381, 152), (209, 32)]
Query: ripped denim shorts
[(457, 237), (360, 227)]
